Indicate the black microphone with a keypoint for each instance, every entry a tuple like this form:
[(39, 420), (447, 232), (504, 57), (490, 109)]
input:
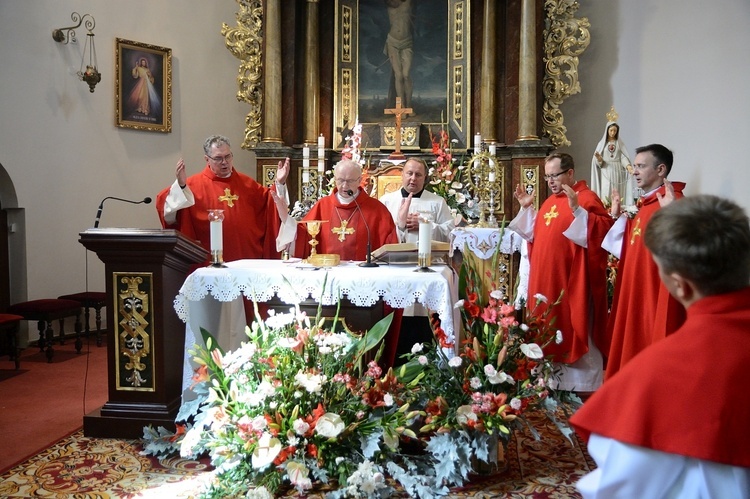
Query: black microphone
[(368, 262), (145, 200)]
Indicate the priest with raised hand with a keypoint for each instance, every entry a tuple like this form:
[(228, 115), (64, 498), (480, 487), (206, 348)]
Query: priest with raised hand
[(407, 203), (348, 215), (250, 217), (349, 218)]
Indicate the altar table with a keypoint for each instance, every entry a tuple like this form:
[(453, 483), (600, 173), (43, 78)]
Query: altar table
[(211, 297)]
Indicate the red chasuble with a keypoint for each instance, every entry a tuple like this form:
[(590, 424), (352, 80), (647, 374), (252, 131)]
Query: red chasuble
[(251, 221), (643, 311), (686, 394), (557, 264), (343, 231)]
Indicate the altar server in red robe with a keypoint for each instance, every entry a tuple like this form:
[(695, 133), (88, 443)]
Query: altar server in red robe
[(643, 311), (251, 221), (565, 255), (674, 421)]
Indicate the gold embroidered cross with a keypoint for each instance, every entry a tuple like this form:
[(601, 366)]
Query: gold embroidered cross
[(343, 230), (229, 197), (552, 213), (636, 231)]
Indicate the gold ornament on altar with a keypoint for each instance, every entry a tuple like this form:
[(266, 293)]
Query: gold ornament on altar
[(313, 229), (486, 180)]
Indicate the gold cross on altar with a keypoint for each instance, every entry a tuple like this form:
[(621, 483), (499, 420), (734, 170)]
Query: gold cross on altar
[(636, 231), (229, 197), (343, 230), (398, 111), (552, 213)]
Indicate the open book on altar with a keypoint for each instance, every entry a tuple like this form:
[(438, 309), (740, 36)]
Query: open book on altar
[(406, 253)]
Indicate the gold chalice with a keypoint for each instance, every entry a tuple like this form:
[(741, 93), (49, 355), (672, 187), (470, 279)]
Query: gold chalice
[(313, 228)]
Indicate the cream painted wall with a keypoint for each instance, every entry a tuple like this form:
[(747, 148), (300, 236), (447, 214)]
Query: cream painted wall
[(58, 141), (677, 73), (676, 70)]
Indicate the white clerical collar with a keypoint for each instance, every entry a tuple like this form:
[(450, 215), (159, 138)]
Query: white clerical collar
[(346, 200)]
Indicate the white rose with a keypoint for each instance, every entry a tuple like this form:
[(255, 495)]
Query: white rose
[(266, 451), (455, 362), (329, 425)]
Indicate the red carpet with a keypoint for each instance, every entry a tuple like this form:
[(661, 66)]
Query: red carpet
[(43, 402)]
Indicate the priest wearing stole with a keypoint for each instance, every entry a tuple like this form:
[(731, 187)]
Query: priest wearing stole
[(250, 218), (348, 214), (565, 255)]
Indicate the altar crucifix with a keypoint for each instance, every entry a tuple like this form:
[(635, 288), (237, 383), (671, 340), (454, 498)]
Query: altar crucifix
[(398, 111)]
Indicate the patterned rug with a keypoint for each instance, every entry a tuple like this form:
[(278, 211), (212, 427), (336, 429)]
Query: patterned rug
[(108, 468)]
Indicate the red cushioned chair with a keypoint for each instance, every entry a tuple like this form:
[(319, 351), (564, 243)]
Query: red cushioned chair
[(9, 324), (45, 311), (88, 300)]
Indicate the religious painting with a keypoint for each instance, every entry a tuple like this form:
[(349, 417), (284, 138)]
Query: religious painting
[(403, 52), (417, 50), (143, 86)]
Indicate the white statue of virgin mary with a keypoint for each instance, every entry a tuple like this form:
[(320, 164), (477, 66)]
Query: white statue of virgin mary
[(611, 167)]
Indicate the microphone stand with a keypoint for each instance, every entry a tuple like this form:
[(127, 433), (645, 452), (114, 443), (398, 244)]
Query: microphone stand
[(368, 259), (145, 200)]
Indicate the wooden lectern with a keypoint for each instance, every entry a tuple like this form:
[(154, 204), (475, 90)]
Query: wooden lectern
[(144, 270)]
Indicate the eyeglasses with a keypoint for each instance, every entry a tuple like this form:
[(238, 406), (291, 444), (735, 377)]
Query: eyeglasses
[(553, 176), (347, 180), (221, 159), (641, 166)]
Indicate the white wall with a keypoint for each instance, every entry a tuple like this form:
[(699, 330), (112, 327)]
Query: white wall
[(58, 141), (677, 73), (676, 70)]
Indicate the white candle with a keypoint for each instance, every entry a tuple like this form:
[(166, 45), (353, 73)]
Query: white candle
[(306, 164), (491, 176), (305, 176), (493, 149), (306, 152), (321, 153), (477, 142), (217, 240), (321, 165), (425, 237), (321, 143)]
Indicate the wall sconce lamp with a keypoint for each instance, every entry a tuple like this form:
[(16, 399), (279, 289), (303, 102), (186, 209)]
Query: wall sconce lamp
[(91, 75)]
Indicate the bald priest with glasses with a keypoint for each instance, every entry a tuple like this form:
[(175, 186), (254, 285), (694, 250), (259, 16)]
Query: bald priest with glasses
[(348, 215), (251, 221)]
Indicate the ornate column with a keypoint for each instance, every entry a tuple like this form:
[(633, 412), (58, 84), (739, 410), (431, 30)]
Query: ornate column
[(311, 102), (489, 73), (272, 74), (527, 73)]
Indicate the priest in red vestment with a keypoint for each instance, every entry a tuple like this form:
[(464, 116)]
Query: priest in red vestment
[(565, 255), (643, 311), (674, 421), (250, 219), (347, 215)]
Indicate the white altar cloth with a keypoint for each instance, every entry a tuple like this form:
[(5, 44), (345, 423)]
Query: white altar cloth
[(210, 297), (484, 241)]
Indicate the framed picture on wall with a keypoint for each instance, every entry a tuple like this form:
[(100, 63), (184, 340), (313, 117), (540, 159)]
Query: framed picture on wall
[(143, 86)]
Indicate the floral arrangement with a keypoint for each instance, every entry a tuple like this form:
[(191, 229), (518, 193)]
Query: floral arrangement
[(446, 177), (501, 371), (300, 406)]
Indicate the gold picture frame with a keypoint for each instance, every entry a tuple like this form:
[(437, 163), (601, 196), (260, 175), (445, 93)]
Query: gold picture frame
[(143, 86)]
